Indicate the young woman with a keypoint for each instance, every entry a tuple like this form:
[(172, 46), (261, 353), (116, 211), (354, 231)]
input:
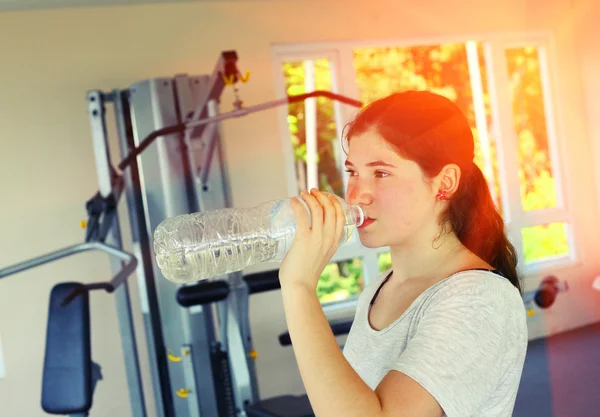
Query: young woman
[(443, 333)]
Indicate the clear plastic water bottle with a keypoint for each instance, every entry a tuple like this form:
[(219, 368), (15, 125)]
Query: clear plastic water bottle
[(197, 246)]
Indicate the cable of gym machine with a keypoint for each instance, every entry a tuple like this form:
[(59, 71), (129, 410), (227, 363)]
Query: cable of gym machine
[(147, 141), (98, 205)]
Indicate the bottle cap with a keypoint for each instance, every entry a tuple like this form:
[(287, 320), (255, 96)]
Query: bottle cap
[(354, 212), (358, 215)]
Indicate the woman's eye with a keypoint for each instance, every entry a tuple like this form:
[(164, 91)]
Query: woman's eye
[(378, 174)]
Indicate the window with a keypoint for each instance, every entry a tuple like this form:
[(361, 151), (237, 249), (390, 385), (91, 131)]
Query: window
[(341, 280), (313, 127), (503, 89), (537, 184), (315, 138)]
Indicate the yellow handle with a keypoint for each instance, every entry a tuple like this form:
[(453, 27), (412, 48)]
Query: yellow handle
[(183, 393), (83, 224), (172, 357), (531, 312), (253, 354), (244, 78)]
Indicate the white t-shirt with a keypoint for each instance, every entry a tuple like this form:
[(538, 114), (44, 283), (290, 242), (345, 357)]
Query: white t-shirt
[(464, 340)]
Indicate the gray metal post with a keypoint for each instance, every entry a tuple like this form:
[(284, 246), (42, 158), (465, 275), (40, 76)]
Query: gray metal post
[(141, 242), (134, 382), (164, 182), (214, 180), (212, 189)]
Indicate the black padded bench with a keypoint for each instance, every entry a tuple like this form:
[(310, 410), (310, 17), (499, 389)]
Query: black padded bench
[(284, 406), (69, 375)]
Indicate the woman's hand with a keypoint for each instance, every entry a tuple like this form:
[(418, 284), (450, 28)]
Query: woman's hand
[(313, 247)]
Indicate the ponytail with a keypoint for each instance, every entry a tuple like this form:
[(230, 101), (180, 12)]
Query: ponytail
[(477, 223)]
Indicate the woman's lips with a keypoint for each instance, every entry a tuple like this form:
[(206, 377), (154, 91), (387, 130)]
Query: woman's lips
[(366, 222)]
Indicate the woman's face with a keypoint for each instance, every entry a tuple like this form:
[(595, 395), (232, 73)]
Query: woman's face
[(397, 200)]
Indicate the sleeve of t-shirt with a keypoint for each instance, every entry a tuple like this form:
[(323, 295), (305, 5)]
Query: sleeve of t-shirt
[(457, 351)]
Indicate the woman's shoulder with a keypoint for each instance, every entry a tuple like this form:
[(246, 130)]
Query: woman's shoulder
[(479, 285), (478, 279)]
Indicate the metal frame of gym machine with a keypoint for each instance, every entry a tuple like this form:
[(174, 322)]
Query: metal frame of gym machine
[(182, 169), (198, 336)]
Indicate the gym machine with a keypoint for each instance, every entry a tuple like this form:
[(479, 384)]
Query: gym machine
[(198, 336)]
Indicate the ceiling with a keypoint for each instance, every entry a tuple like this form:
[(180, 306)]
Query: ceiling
[(11, 5)]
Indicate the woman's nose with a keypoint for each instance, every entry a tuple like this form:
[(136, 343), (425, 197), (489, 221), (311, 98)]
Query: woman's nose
[(359, 194)]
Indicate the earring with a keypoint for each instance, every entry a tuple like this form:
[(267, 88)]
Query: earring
[(441, 195)]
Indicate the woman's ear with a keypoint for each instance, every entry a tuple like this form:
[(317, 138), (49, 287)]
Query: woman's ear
[(448, 180)]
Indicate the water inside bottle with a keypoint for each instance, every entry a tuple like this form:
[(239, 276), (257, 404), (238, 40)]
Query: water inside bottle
[(205, 245)]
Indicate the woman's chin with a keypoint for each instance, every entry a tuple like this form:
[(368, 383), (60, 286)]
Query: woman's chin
[(370, 241)]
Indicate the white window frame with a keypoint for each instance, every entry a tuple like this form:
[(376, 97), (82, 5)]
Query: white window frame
[(353, 249), (515, 217), (340, 55)]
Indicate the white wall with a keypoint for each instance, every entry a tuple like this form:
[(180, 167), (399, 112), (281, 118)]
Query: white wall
[(49, 59), (576, 65), (584, 24)]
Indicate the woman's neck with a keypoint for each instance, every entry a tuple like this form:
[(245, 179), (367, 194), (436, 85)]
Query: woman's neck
[(426, 258)]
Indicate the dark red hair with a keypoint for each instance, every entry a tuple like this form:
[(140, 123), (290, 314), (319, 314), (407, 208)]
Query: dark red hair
[(430, 130)]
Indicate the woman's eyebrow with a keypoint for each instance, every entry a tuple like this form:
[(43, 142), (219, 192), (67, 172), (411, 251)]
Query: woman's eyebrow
[(373, 164)]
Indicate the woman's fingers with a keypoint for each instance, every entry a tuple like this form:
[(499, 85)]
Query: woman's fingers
[(316, 212), (340, 219), (302, 220), (329, 217), (330, 236)]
